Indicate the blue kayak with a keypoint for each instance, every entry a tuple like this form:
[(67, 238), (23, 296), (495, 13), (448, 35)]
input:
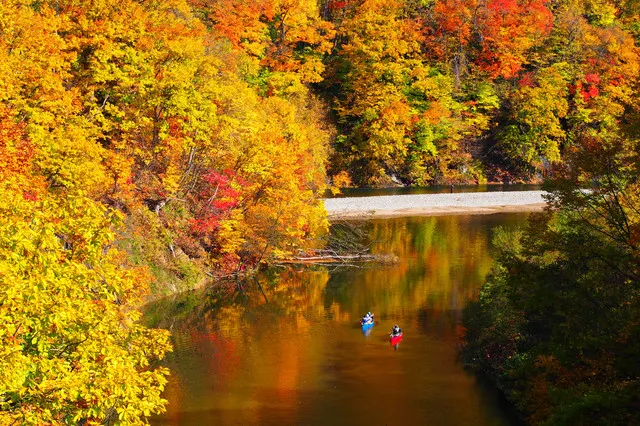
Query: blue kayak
[(366, 325)]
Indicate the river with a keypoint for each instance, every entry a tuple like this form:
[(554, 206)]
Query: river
[(286, 347)]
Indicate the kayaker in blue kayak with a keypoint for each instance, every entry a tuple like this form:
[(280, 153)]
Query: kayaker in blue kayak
[(367, 319)]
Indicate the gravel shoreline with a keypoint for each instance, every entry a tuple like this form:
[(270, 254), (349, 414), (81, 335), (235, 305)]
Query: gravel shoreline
[(435, 204)]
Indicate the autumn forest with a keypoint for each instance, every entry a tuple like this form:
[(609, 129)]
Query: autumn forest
[(147, 146)]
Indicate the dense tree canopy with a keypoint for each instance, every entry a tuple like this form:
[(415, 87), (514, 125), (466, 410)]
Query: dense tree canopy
[(70, 348), (148, 142), (136, 134), (429, 92)]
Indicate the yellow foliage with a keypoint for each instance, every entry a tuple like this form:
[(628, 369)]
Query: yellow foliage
[(340, 180), (397, 108), (70, 346)]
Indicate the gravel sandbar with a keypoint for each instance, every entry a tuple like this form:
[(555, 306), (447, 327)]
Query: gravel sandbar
[(435, 204)]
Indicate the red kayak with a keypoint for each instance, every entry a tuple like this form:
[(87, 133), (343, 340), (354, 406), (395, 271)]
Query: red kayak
[(395, 339)]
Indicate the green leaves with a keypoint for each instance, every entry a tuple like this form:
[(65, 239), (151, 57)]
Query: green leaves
[(556, 324)]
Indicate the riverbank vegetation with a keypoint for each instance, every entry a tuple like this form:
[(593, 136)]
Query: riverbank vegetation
[(152, 144), (71, 350), (137, 142), (557, 322)]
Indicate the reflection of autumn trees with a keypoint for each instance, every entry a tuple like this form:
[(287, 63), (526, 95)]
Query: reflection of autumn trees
[(442, 260), (234, 331), (296, 296), (267, 338)]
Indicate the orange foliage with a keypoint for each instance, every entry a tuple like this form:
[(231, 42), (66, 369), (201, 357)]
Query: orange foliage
[(242, 23), (494, 35)]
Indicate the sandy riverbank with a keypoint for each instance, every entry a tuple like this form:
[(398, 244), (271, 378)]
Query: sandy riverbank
[(435, 204)]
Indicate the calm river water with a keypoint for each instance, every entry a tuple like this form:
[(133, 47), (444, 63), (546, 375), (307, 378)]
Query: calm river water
[(288, 349)]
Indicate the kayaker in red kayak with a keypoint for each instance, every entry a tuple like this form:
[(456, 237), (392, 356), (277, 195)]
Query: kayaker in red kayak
[(395, 336)]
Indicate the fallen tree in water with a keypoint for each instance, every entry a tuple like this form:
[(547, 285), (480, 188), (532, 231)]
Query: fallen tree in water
[(347, 242), (331, 256)]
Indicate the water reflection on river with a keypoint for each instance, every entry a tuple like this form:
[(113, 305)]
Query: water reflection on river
[(288, 348)]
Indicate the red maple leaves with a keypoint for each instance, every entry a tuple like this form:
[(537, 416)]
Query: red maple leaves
[(215, 200)]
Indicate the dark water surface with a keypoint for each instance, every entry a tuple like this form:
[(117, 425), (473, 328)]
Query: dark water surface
[(288, 349)]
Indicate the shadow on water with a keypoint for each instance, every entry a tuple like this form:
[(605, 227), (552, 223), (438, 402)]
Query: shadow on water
[(508, 410), (287, 348)]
